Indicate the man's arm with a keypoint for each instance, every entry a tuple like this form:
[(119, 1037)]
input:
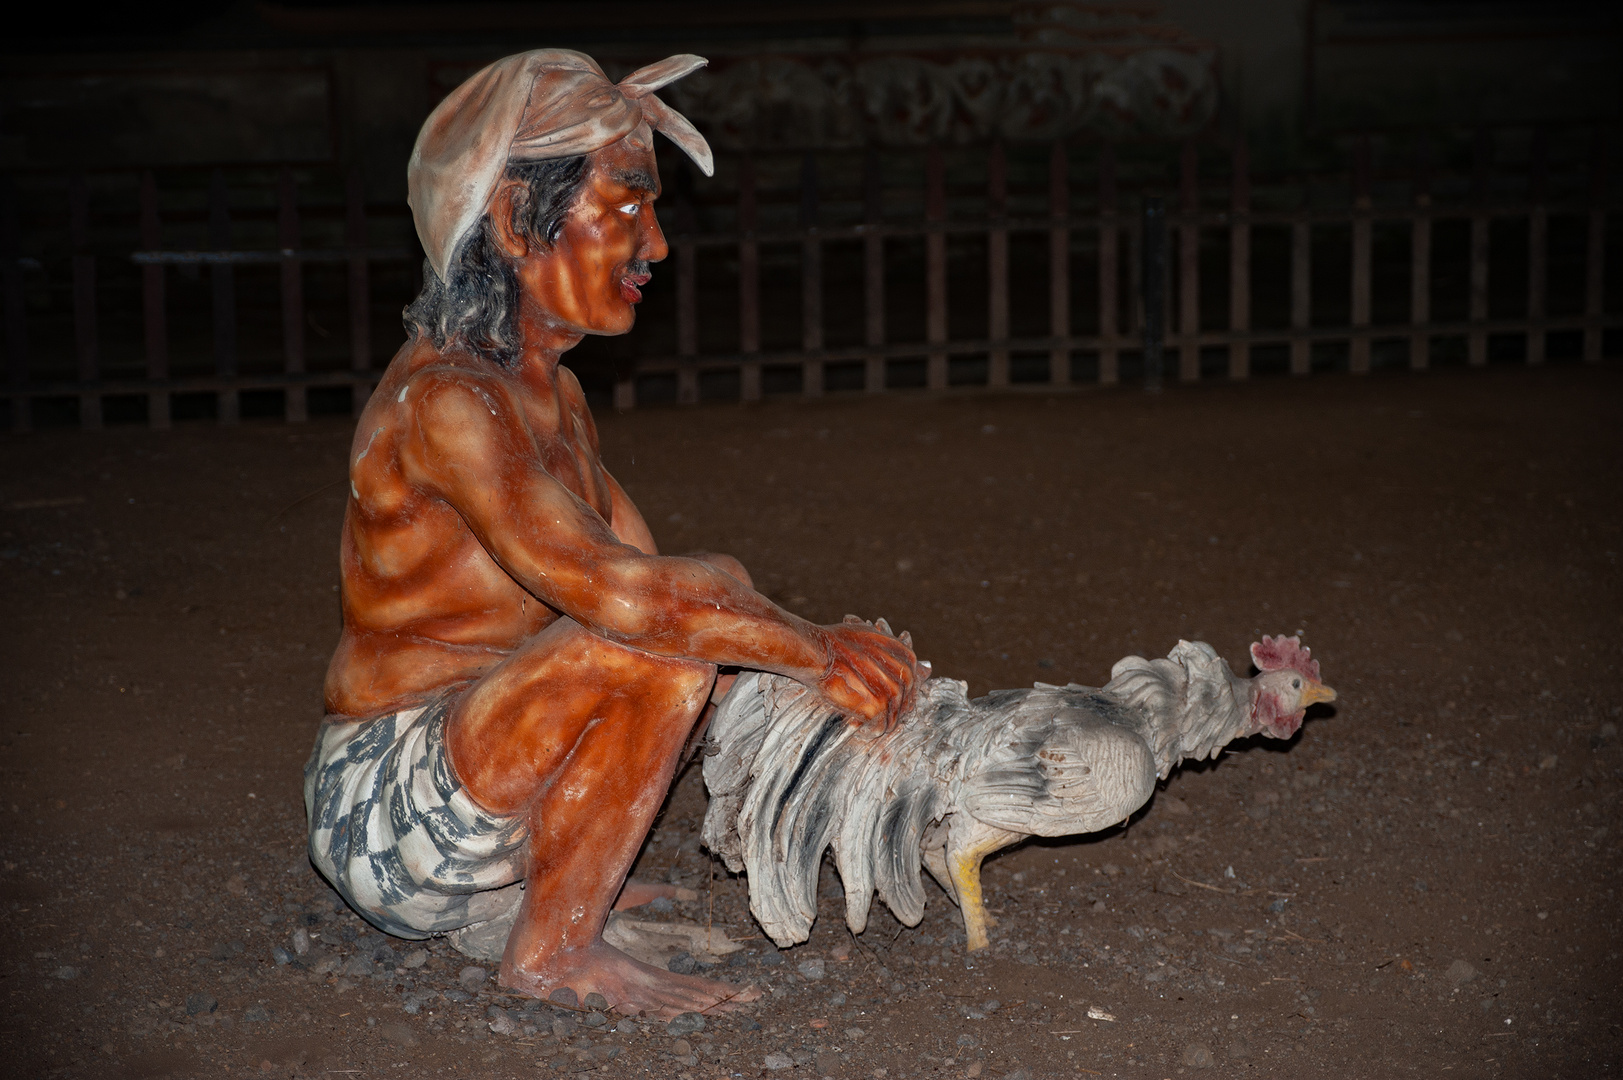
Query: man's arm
[(470, 447), (626, 520)]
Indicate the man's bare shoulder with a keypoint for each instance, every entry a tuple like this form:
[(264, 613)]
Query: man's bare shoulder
[(437, 399)]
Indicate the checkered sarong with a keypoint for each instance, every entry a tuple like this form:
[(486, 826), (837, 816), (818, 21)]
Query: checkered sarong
[(395, 832)]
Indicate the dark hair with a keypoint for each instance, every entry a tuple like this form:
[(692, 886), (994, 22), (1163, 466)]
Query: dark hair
[(478, 304)]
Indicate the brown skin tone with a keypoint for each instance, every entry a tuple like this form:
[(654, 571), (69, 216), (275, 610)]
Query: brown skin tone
[(486, 550)]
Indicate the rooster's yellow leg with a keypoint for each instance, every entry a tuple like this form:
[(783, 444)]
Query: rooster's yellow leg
[(965, 865)]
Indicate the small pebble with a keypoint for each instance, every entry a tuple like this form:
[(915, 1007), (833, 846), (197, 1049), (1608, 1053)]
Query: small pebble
[(256, 1014), (661, 904), (414, 959), (564, 995), (281, 955), (685, 1024), (778, 1061), (594, 1000), (473, 977), (682, 964), (812, 970), (594, 1020), (66, 973), (1461, 972), (301, 942), (398, 1033), (1198, 1056), (200, 1004), (681, 1048)]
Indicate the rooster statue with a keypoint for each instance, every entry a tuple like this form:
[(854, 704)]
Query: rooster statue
[(957, 779)]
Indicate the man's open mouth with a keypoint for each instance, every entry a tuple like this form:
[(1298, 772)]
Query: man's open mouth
[(630, 286)]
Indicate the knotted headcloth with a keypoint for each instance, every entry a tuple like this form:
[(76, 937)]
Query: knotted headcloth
[(548, 103)]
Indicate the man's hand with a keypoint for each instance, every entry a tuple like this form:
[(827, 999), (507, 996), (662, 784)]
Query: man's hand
[(871, 673)]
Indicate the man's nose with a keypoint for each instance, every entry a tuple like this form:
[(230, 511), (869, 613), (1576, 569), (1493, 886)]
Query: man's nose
[(651, 245)]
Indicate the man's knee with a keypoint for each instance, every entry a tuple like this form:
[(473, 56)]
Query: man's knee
[(726, 564)]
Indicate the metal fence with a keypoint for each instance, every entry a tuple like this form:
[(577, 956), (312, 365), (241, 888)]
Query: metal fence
[(1145, 261)]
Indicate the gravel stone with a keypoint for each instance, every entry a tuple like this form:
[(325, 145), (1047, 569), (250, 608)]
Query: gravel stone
[(473, 977), (1461, 972), (812, 969), (399, 1034), (281, 955), (681, 1048), (597, 1001), (200, 1004), (301, 942), (564, 996), (256, 1014), (358, 966), (414, 959), (778, 1061), (66, 973), (1198, 1056), (594, 1020), (682, 964), (685, 1024)]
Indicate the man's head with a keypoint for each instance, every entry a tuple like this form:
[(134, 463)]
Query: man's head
[(531, 187)]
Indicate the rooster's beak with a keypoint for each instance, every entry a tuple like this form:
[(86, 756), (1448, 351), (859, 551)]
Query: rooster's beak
[(1315, 692)]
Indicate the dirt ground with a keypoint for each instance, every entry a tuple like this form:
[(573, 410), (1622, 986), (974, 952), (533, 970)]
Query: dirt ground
[(1423, 881)]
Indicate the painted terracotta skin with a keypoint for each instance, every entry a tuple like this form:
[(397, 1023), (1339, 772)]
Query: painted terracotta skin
[(486, 549)]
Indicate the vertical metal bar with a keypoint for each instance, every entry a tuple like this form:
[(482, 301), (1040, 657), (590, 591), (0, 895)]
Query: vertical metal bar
[(1109, 271), (873, 270), (1059, 263), (1595, 261), (1420, 260), (749, 283), (997, 266), (287, 238), (1477, 339), (1240, 260), (1359, 347), (154, 317), (360, 287), (84, 304), (1155, 291), (687, 304), (811, 281), (1302, 289), (1189, 264), (1538, 232), (935, 267), (11, 274), (222, 283)]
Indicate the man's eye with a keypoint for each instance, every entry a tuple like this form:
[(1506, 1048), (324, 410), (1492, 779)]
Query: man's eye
[(631, 209)]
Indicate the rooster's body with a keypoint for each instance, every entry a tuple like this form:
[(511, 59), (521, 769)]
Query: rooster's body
[(957, 779)]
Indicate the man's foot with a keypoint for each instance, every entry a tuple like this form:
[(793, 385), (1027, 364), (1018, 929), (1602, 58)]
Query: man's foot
[(628, 986), (636, 893)]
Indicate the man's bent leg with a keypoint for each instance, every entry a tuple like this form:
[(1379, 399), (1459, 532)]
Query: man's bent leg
[(582, 736)]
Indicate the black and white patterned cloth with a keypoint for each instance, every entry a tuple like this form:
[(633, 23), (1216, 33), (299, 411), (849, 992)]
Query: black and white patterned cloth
[(397, 835)]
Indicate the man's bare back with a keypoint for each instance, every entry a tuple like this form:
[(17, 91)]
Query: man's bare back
[(491, 562)]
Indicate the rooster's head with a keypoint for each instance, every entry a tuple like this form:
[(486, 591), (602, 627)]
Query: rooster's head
[(1287, 684)]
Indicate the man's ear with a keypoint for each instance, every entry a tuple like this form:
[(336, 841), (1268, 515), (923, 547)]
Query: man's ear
[(513, 244)]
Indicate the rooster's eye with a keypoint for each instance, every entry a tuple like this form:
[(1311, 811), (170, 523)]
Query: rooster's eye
[(1296, 684)]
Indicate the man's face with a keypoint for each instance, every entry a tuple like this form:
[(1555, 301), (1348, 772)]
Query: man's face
[(590, 280)]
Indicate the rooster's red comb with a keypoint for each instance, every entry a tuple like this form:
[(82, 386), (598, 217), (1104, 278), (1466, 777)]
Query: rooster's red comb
[(1279, 653)]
